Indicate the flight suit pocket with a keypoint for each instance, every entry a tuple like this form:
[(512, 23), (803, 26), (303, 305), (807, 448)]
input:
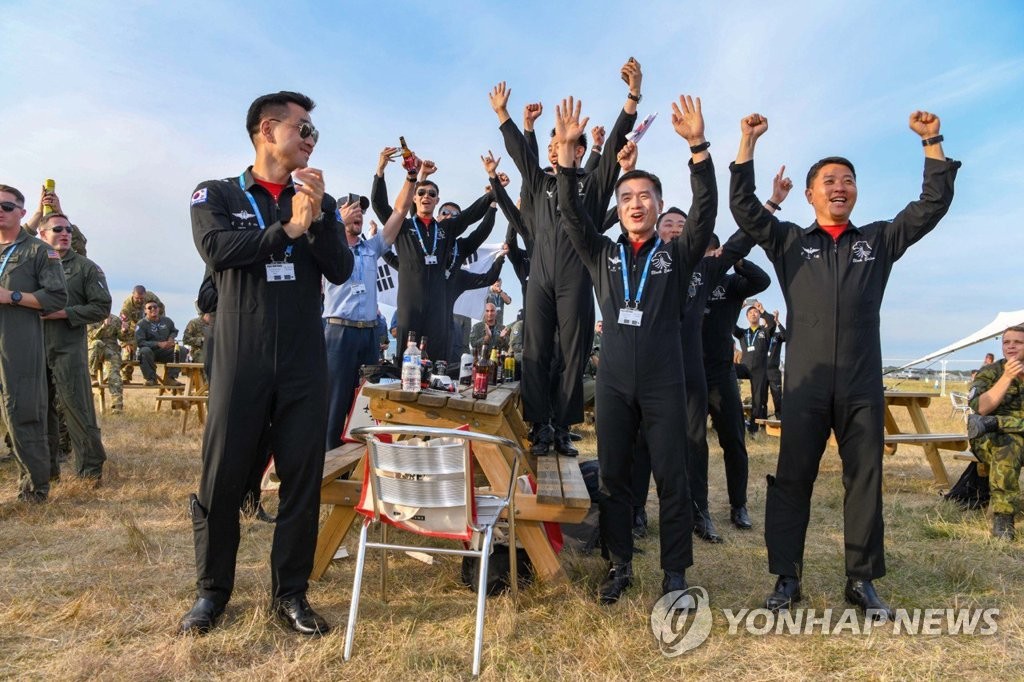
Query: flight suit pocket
[(25, 403)]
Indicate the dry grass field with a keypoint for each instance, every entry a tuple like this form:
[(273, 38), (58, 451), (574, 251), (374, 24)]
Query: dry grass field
[(94, 582)]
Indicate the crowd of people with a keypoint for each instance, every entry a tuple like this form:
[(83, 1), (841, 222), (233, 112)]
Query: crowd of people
[(290, 296)]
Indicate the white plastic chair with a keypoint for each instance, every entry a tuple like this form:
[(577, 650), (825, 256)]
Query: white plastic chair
[(426, 487), (959, 401)]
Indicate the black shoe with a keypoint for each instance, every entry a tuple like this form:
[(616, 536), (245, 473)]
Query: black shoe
[(201, 618), (32, 496), (787, 593), (673, 581), (740, 518), (575, 437), (262, 515), (542, 439), (563, 443), (620, 576), (639, 522), (978, 425), (297, 614), (862, 593), (1002, 526), (704, 527)]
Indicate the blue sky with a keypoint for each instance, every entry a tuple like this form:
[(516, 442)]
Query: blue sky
[(129, 105)]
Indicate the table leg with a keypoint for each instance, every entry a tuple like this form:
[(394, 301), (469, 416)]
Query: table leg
[(931, 450), (330, 537), (890, 427)]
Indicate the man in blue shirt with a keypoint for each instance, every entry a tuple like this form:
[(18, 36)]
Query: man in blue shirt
[(350, 309)]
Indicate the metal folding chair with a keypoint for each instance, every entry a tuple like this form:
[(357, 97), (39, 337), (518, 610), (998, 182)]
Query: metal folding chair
[(959, 402), (425, 486)]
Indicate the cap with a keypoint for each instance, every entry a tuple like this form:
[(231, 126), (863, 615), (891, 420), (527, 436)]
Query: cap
[(364, 203)]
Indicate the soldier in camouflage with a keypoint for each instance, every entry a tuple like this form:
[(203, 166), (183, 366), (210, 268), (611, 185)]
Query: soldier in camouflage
[(996, 429), (132, 310), (196, 332), (105, 338), (64, 333)]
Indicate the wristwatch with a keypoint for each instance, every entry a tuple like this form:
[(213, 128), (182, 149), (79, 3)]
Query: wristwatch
[(635, 98), (15, 297)]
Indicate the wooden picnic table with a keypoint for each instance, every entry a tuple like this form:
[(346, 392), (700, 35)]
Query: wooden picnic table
[(196, 392), (561, 494)]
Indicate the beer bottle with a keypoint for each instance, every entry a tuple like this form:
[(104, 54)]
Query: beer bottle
[(481, 373), (510, 367), (501, 368), (408, 158), (493, 366)]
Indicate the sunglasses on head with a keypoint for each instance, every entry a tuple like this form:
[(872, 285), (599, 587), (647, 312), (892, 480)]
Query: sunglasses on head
[(305, 129), (60, 228), (9, 206), (426, 193)]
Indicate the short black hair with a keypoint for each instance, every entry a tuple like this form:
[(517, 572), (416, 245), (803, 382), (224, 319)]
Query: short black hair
[(816, 168), (17, 195), (449, 203), (273, 103), (671, 209), (581, 141), (754, 307), (640, 175)]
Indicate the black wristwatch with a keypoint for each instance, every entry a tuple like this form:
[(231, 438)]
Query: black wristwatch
[(15, 297), (635, 98)]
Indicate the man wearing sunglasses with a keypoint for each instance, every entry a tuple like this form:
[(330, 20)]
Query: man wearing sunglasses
[(155, 337), (67, 358), (425, 247), (51, 200), (269, 235), (31, 280)]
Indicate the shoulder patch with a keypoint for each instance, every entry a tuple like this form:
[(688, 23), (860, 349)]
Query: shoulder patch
[(199, 196), (53, 255)]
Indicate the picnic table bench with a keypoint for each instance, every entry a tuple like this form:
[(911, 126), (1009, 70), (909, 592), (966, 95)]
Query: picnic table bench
[(100, 387), (561, 494)]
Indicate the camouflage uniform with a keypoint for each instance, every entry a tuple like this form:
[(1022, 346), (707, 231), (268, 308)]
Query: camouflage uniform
[(104, 338), (1002, 450), (133, 312), (196, 332)]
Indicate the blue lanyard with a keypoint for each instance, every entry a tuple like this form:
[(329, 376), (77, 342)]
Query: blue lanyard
[(455, 257), (643, 275), (419, 236), (10, 251), (752, 336), (259, 216)]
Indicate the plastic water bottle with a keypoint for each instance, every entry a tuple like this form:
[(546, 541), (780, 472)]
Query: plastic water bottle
[(466, 369), (412, 370)]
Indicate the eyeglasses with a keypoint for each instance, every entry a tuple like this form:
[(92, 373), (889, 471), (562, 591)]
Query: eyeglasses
[(305, 129), (432, 193), (449, 212), (60, 228), (9, 206)]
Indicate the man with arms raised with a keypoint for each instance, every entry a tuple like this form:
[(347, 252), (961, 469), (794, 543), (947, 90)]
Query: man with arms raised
[(641, 285), (268, 239), (833, 275)]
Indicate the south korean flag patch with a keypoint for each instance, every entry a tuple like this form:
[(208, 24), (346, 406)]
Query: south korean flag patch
[(199, 196)]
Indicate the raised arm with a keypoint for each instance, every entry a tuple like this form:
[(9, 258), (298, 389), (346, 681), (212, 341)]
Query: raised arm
[(579, 227), (403, 203), (688, 122), (511, 212), (751, 216), (515, 142), (607, 171), (531, 112), (596, 145), (379, 189), (920, 217), (750, 281)]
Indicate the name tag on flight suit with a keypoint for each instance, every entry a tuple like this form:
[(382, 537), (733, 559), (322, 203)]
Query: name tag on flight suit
[(630, 316), (750, 349), (280, 272), (430, 260)]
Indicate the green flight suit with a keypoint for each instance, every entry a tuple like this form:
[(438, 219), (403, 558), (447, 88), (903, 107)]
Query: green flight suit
[(1003, 449), (133, 312), (68, 365), (28, 266)]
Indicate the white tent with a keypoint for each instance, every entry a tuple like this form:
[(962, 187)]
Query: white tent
[(990, 330)]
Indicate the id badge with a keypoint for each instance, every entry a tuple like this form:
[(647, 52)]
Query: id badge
[(430, 260), (630, 317), (750, 349), (280, 272), (359, 288)]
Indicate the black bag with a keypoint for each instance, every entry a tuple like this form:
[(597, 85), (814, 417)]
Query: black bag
[(385, 370), (498, 570), (585, 536), (971, 491)]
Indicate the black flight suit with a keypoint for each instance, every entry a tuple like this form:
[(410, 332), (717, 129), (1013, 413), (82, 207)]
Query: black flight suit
[(833, 291), (559, 298), (422, 305), (778, 337), (724, 405), (641, 374), (269, 367), (754, 345)]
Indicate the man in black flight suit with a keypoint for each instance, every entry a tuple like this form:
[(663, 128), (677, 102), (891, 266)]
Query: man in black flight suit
[(268, 240)]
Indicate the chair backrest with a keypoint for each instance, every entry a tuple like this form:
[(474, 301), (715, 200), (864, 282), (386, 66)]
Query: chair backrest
[(423, 486), (959, 400)]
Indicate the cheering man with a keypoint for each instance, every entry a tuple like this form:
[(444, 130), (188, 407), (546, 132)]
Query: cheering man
[(833, 275)]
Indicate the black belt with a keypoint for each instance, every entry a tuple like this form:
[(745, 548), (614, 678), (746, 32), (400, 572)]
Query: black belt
[(342, 322)]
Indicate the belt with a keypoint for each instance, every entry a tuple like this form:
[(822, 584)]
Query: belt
[(342, 322)]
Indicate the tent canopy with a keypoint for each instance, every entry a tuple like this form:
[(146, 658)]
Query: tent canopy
[(990, 330)]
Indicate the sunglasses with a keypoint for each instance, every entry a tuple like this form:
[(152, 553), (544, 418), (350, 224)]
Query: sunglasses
[(60, 228), (305, 129), (152, 307), (9, 206), (427, 193), (449, 212)]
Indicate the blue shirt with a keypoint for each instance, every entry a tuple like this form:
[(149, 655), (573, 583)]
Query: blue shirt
[(341, 300)]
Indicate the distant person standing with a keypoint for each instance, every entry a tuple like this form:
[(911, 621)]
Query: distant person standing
[(497, 296), (31, 280), (776, 337), (754, 341)]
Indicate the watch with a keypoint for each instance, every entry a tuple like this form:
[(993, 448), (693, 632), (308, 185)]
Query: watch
[(15, 297), (635, 98)]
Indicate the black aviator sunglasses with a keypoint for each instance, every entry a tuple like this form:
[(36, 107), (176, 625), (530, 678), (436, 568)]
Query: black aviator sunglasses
[(8, 206)]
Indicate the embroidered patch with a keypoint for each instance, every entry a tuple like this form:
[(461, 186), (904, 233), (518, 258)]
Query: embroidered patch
[(861, 252), (661, 263), (199, 197), (53, 255)]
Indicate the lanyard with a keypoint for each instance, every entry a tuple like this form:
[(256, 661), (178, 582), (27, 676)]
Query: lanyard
[(752, 336), (455, 258), (643, 275), (419, 237), (259, 216), (10, 251)]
